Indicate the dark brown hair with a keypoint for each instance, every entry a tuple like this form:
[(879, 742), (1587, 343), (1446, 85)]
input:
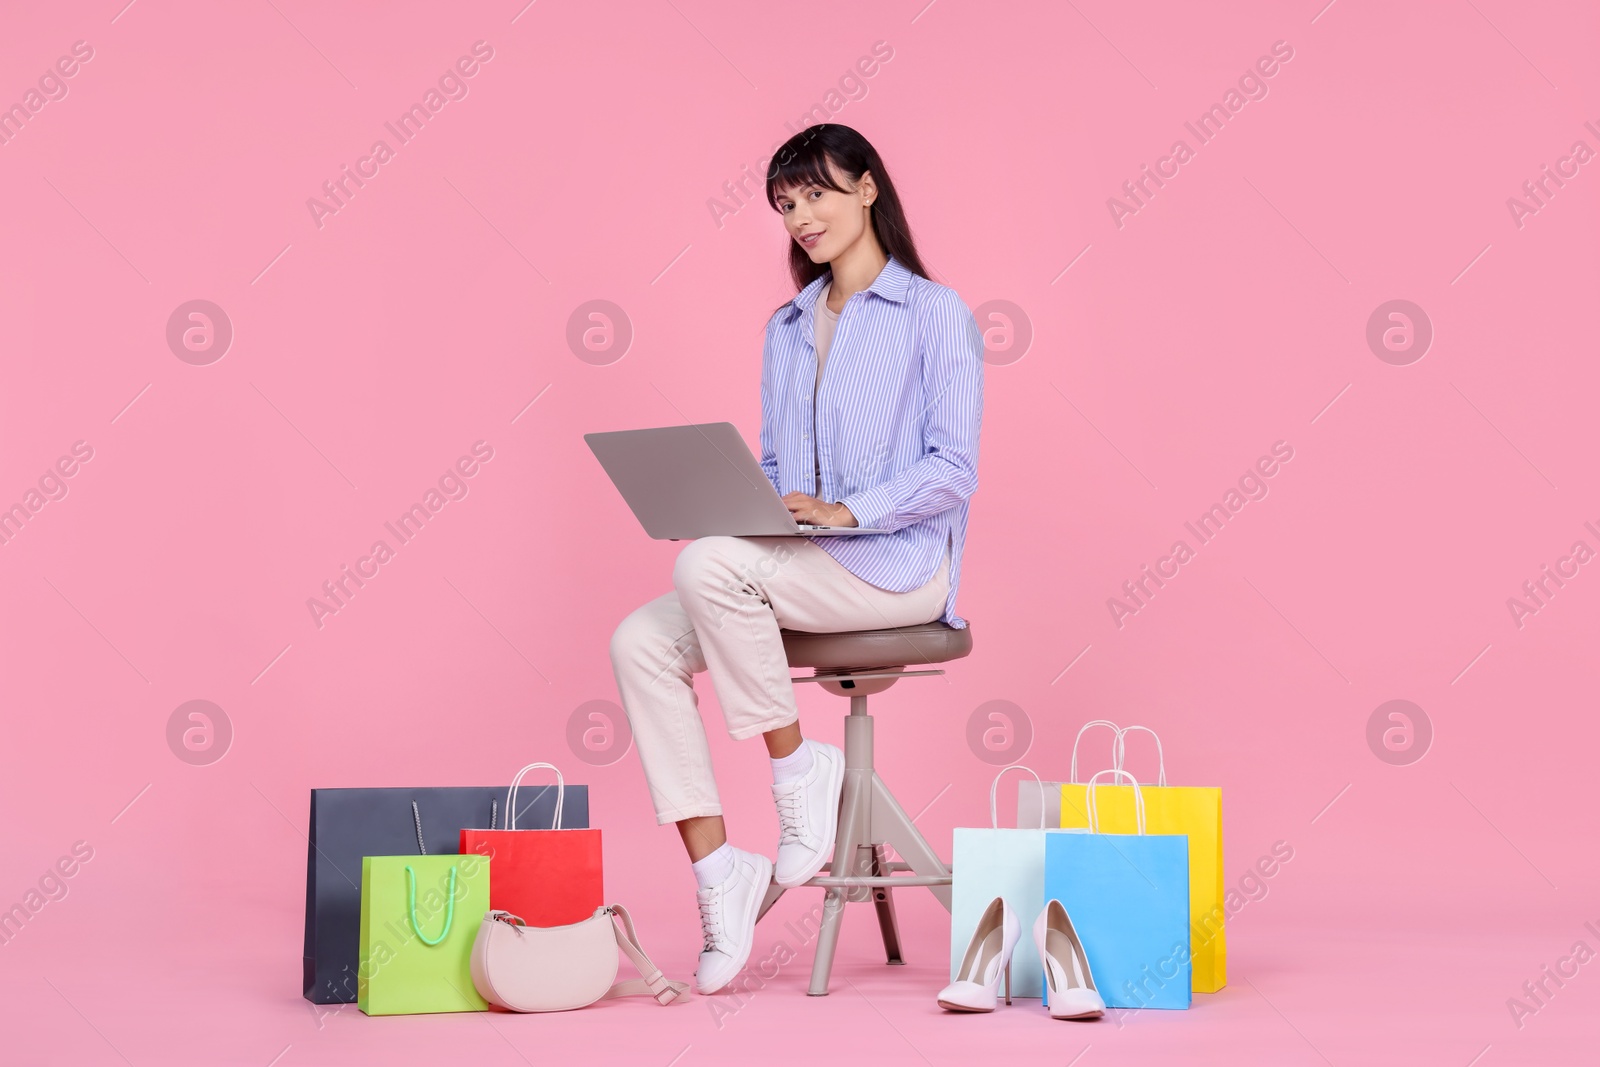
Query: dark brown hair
[(803, 159)]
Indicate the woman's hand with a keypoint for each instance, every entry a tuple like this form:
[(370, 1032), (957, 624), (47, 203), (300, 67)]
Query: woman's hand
[(814, 512)]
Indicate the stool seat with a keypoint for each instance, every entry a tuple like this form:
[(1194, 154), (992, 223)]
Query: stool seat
[(900, 646)]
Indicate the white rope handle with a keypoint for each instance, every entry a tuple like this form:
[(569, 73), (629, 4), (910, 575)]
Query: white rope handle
[(1122, 750), (1115, 729), (511, 794), (1138, 798), (994, 811)]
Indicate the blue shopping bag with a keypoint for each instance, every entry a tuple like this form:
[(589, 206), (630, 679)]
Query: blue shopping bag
[(1128, 898)]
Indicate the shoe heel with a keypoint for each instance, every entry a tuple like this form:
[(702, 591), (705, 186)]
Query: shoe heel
[(1008, 981)]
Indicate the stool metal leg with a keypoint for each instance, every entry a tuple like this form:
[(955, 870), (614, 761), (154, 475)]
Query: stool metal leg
[(891, 823), (774, 891), (855, 827), (827, 941), (883, 897)]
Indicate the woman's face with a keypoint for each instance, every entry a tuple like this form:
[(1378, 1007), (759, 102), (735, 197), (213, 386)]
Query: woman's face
[(825, 221)]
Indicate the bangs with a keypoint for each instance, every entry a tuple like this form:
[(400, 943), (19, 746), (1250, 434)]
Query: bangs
[(806, 164)]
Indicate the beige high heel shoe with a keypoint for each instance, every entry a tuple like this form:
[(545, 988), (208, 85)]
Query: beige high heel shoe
[(1066, 966), (988, 958)]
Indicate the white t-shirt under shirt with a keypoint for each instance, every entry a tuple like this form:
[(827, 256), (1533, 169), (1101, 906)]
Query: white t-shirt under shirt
[(825, 320)]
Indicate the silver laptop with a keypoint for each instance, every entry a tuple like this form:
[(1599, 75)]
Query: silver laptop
[(684, 482)]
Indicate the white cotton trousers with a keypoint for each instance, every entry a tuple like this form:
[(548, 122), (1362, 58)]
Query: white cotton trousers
[(731, 596)]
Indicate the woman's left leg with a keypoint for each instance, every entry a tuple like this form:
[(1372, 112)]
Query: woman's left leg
[(740, 591)]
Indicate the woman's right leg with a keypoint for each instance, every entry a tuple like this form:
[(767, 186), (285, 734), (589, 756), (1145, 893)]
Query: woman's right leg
[(702, 836), (655, 655)]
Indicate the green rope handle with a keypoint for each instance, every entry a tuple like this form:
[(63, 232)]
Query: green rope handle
[(449, 912)]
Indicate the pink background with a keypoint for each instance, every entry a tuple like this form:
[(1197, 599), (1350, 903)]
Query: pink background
[(1227, 314)]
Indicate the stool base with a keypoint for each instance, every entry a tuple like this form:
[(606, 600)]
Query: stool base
[(871, 822)]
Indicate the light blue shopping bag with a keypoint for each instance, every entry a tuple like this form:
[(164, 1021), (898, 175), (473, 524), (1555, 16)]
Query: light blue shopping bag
[(1128, 898), (994, 861)]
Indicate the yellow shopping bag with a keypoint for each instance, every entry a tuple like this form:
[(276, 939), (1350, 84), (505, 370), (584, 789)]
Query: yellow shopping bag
[(1195, 811)]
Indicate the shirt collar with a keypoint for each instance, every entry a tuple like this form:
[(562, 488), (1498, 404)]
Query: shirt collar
[(891, 284)]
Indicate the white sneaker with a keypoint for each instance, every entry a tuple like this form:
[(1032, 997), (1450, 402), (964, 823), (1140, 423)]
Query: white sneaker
[(808, 816), (728, 919)]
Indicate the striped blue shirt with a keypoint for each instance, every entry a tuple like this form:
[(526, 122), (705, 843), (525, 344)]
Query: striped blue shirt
[(896, 427)]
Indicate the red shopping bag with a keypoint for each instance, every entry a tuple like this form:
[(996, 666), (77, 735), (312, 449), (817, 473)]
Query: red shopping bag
[(547, 877)]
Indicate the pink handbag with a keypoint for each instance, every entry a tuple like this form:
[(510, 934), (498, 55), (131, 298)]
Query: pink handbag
[(558, 968)]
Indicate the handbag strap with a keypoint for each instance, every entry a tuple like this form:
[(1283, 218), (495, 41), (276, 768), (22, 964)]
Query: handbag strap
[(654, 983)]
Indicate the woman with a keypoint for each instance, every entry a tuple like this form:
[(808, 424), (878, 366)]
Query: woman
[(887, 439)]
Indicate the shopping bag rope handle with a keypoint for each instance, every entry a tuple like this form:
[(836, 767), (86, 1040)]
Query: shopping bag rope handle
[(1120, 746), (511, 794), (994, 811), (1115, 729), (449, 912), (416, 817), (1088, 794)]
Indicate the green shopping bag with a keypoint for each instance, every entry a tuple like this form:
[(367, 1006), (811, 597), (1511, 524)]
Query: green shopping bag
[(419, 918)]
